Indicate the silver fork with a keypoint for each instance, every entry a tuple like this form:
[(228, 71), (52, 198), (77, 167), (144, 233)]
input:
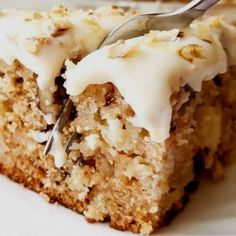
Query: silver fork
[(133, 27)]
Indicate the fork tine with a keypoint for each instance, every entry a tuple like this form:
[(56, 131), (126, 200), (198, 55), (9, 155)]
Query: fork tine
[(72, 138), (122, 31), (60, 124)]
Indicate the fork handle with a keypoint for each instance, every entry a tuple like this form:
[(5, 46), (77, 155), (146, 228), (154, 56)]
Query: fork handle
[(199, 6), (205, 4)]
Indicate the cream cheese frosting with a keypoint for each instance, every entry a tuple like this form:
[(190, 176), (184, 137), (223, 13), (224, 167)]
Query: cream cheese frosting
[(42, 41), (148, 70)]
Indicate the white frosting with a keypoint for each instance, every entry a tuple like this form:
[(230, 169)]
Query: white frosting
[(225, 22), (42, 41), (148, 70)]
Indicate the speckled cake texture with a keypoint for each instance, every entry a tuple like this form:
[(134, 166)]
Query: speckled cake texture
[(116, 171)]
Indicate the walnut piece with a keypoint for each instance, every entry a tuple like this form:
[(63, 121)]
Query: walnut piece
[(60, 26), (121, 50), (191, 52), (33, 45)]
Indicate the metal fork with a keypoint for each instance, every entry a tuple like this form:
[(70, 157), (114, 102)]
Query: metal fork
[(133, 27)]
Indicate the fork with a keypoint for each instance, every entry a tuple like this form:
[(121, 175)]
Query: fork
[(133, 27)]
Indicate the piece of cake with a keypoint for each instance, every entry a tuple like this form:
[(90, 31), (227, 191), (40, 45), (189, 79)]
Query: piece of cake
[(151, 112)]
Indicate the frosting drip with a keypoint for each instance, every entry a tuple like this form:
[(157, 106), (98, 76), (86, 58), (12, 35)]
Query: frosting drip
[(148, 70), (42, 41)]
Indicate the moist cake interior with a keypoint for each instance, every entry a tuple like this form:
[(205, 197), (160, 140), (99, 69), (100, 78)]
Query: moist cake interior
[(115, 172)]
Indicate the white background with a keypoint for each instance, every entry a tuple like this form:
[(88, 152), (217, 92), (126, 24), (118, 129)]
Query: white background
[(212, 210)]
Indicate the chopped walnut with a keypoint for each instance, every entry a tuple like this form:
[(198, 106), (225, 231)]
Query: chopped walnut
[(33, 45), (60, 27), (191, 52), (181, 34), (60, 10), (37, 16), (93, 25), (34, 16), (152, 41), (121, 50), (216, 22), (155, 37), (203, 29), (59, 32)]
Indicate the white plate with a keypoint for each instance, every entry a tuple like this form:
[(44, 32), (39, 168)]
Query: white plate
[(212, 209)]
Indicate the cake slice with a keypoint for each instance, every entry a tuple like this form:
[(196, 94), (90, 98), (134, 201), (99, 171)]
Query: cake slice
[(151, 112)]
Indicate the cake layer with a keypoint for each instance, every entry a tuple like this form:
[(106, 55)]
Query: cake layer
[(116, 170)]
